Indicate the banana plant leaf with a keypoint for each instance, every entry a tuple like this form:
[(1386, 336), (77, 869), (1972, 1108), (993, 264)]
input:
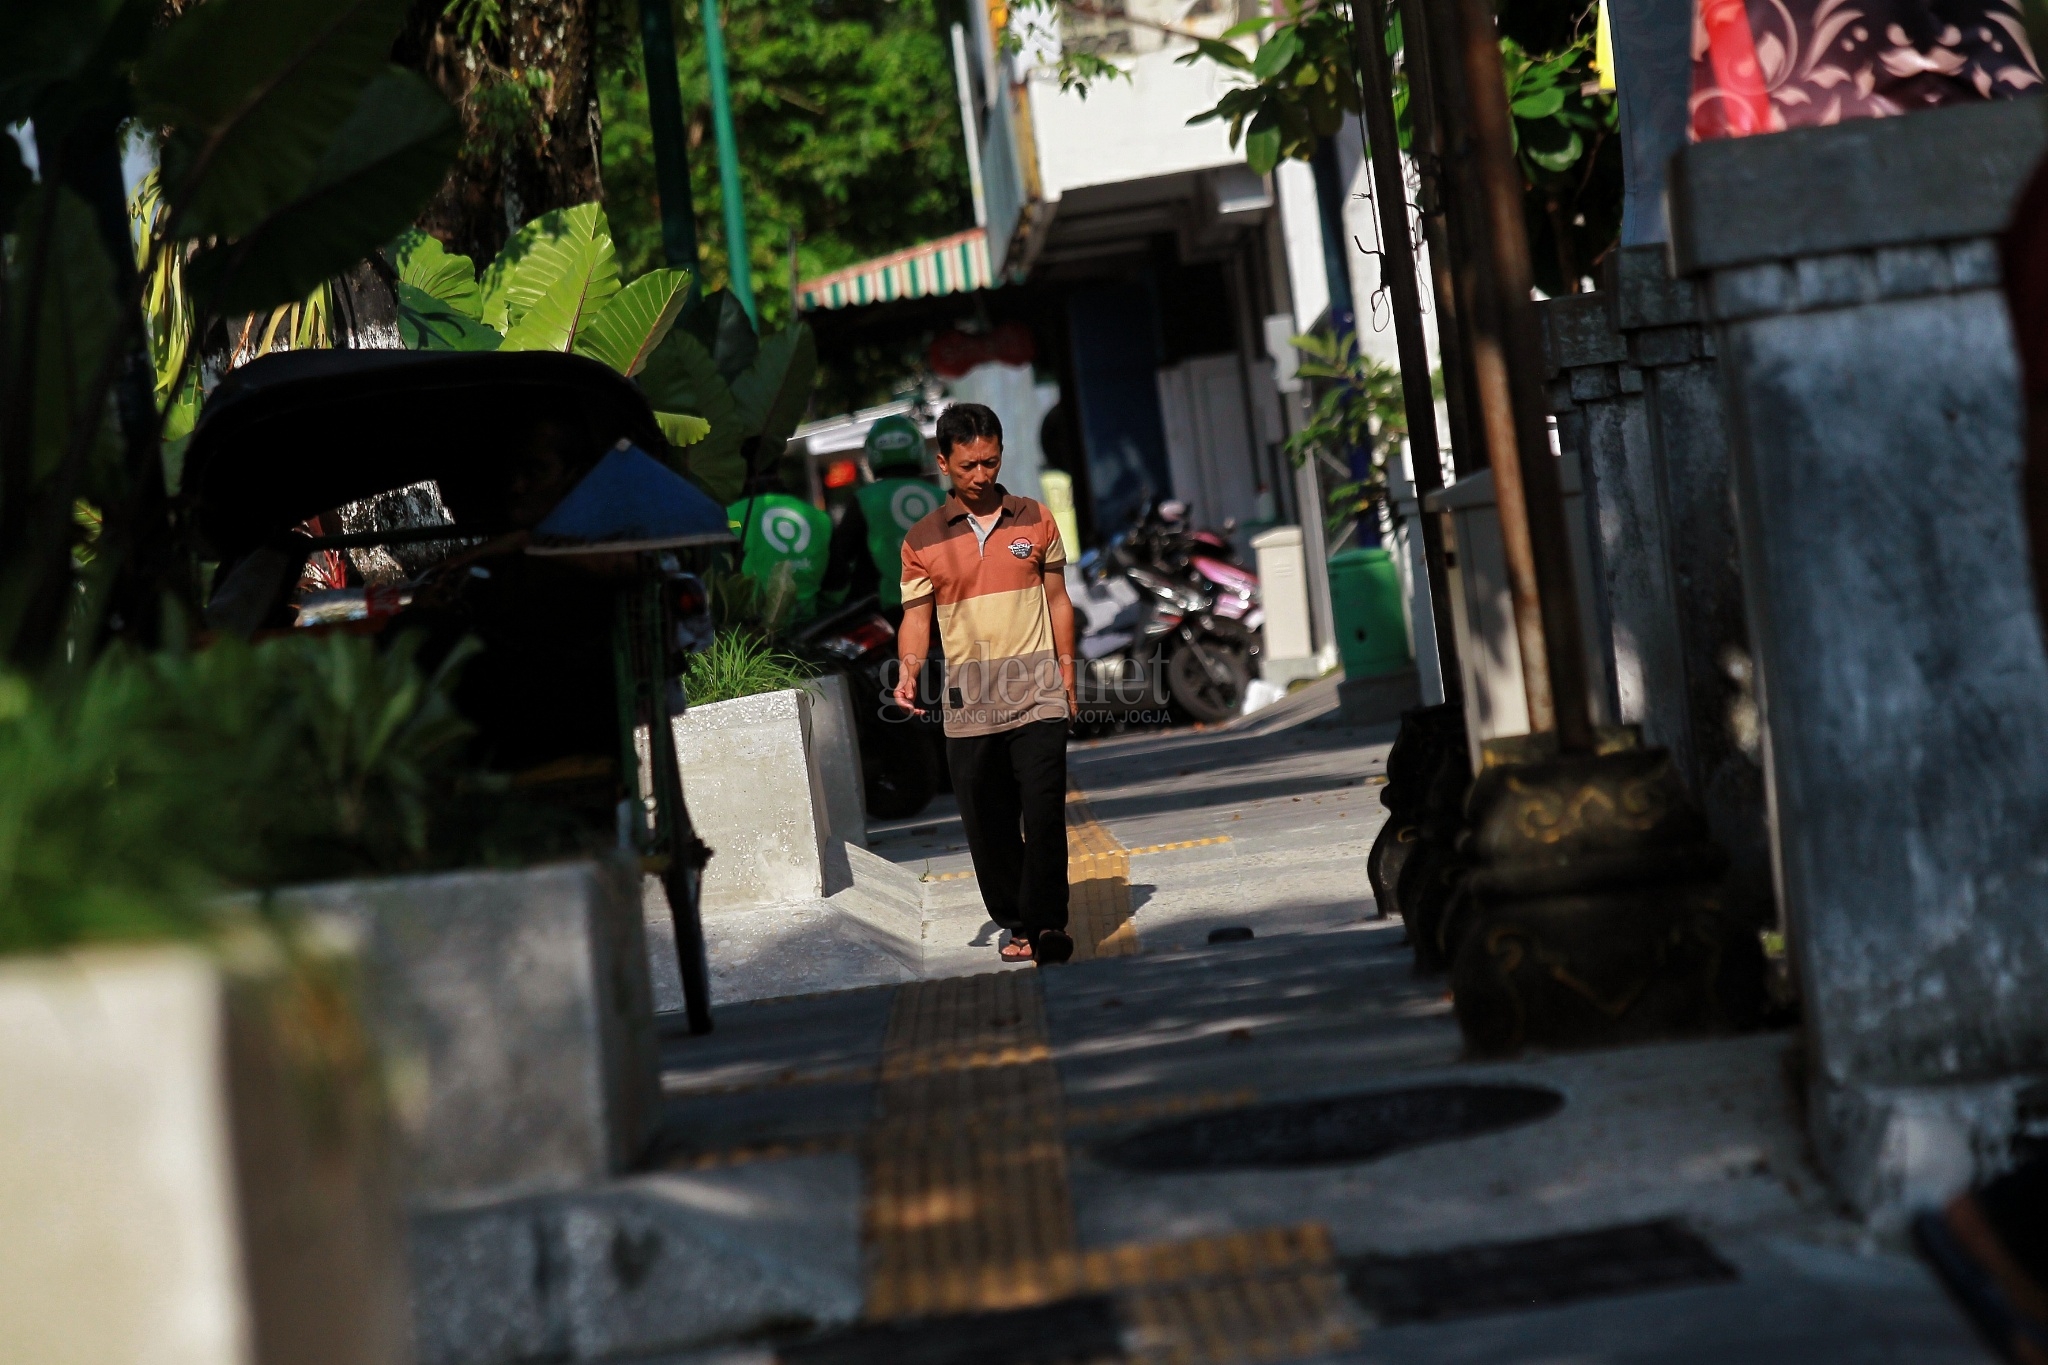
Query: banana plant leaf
[(495, 280), (181, 414), (680, 377), (723, 329), (775, 390), (422, 262), (682, 429), (570, 263), (635, 321), (72, 302), (426, 323), (47, 41), (258, 91), (15, 183), (580, 275), (380, 170)]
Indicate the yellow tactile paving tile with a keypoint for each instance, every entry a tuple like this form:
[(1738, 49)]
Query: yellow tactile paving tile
[(1181, 843), (764, 1151), (1098, 886), (968, 1205), (838, 1075)]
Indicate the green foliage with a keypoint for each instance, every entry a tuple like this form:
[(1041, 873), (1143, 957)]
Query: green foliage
[(1358, 407), (478, 21), (565, 275), (740, 663), (132, 792), (682, 429), (1300, 82), (1570, 156), (289, 147), (752, 408), (385, 162), (849, 139), (1553, 120), (74, 327), (254, 92), (730, 397), (627, 331), (681, 376), (1077, 67), (422, 262)]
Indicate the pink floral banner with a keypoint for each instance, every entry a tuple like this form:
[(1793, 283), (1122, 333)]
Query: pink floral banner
[(1762, 66)]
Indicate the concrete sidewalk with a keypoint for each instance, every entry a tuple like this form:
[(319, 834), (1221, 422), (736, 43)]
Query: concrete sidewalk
[(1088, 1162)]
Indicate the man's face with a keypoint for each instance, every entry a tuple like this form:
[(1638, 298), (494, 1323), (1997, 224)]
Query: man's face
[(973, 466)]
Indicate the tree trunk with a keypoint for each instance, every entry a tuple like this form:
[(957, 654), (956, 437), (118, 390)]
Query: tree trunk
[(527, 94)]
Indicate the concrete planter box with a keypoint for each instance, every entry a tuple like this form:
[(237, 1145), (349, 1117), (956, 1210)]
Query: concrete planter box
[(518, 1015), (773, 785), (194, 1168)]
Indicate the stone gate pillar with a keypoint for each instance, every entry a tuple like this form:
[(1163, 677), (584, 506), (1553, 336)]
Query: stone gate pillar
[(1849, 277), (1634, 389)]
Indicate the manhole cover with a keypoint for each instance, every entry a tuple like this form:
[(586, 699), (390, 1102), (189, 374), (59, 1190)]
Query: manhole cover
[(1345, 1128), (1517, 1276)]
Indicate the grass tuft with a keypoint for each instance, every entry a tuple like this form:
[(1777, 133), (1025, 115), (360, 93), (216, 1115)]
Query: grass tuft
[(738, 664)]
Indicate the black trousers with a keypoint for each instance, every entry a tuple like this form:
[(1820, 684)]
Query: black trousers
[(1012, 789)]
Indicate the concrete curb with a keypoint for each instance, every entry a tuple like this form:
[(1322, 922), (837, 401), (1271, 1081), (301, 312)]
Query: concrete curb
[(654, 1263)]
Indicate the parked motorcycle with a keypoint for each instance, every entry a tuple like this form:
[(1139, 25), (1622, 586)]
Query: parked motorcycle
[(1168, 623), (900, 754)]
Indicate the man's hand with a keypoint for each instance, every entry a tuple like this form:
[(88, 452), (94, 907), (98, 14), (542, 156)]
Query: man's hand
[(906, 686), (913, 643), (1060, 608)]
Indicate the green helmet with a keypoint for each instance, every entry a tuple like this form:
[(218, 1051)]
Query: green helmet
[(894, 443)]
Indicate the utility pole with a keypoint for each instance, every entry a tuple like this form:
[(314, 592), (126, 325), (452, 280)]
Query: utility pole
[(739, 268), (1501, 333), (1546, 932), (970, 128), (671, 143), (1397, 262), (1435, 133)]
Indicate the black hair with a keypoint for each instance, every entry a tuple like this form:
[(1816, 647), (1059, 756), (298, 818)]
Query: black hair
[(968, 422)]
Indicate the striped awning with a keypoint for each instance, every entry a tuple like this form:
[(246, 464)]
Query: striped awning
[(951, 265)]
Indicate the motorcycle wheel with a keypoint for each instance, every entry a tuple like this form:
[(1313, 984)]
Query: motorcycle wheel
[(901, 777), (1198, 697)]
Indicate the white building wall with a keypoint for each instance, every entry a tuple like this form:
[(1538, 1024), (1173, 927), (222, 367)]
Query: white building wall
[(1302, 225), (1132, 129)]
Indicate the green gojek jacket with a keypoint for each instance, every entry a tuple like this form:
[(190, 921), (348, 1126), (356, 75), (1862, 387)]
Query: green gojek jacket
[(784, 537), (890, 507)]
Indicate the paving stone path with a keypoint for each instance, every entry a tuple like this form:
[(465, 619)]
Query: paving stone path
[(966, 1142)]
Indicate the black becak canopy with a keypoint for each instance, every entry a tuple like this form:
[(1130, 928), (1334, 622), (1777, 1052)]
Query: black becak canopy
[(290, 436)]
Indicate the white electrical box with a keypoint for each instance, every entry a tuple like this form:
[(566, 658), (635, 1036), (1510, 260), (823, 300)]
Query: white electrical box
[(1283, 590), (1483, 608)]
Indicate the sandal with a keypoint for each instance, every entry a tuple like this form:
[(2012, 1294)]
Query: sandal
[(1053, 946), (1016, 950)]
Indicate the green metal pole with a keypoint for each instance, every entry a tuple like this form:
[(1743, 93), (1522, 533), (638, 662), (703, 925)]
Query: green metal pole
[(738, 266), (671, 142)]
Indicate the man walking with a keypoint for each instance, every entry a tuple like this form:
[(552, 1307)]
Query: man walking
[(989, 568)]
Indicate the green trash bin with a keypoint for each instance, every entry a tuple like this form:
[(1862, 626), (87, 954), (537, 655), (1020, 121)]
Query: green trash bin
[(1365, 598)]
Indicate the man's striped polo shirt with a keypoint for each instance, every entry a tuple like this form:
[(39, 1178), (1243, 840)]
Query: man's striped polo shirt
[(989, 597)]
